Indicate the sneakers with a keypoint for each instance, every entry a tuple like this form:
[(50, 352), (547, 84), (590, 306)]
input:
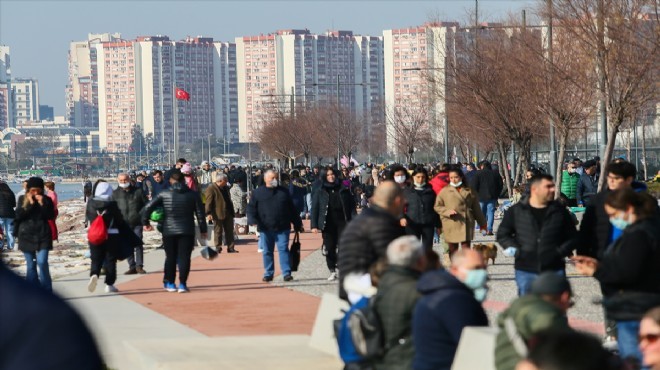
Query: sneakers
[(170, 287), (288, 278), (259, 250), (183, 288), (140, 270), (131, 271), (267, 279), (110, 289), (333, 276), (93, 280)]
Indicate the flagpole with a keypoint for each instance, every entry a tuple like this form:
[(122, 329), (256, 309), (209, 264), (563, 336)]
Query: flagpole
[(176, 125)]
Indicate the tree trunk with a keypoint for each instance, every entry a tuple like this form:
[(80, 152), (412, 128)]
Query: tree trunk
[(503, 165), (607, 158), (646, 174), (560, 159)]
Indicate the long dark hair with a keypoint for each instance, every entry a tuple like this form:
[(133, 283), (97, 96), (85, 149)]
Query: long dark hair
[(324, 172), (645, 206)]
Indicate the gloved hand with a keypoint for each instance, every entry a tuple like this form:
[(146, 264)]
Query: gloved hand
[(510, 252)]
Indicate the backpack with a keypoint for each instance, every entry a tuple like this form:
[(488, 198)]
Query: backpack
[(359, 333), (97, 233)]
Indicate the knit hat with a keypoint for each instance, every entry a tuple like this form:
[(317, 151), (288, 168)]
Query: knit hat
[(35, 182), (204, 163), (103, 191), (186, 169), (549, 283)]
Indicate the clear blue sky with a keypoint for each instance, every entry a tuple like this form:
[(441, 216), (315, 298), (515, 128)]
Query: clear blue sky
[(39, 32)]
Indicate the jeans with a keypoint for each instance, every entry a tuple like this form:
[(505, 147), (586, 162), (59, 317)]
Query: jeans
[(267, 242), (178, 249), (41, 257), (137, 257), (7, 225), (524, 280), (308, 205), (627, 340), (488, 209)]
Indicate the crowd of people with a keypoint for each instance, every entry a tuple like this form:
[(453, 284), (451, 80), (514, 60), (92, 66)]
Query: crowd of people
[(379, 225)]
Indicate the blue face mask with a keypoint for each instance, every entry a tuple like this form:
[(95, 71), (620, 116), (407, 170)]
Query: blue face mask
[(476, 280), (619, 223)]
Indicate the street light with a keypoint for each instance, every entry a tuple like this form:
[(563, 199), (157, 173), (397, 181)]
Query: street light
[(75, 151)]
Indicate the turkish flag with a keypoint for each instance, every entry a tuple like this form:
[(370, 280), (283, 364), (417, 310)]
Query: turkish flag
[(182, 94)]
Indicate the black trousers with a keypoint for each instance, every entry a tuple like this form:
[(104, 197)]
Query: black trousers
[(178, 249), (101, 258), (424, 232), (331, 234)]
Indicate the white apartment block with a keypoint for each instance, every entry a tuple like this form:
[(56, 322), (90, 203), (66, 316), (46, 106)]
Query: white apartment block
[(82, 88), (412, 56), (6, 113), (25, 96), (225, 91), (336, 67)]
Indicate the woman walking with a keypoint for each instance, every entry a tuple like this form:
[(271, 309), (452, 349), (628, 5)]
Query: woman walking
[(50, 193), (7, 214), (180, 206), (33, 212), (332, 208), (629, 272), (458, 207), (420, 218)]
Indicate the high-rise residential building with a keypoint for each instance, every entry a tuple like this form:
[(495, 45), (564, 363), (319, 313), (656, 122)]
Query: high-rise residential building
[(5, 88), (25, 104), (334, 68), (225, 91), (412, 57), (82, 88)]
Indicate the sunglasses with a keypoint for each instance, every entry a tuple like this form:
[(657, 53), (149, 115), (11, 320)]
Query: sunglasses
[(651, 338)]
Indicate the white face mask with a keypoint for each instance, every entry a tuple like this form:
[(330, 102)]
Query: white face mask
[(420, 184), (399, 179), (273, 183), (124, 185), (456, 184)]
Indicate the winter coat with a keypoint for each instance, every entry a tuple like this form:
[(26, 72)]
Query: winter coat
[(629, 272), (151, 188), (119, 245), (569, 182), (31, 225), (394, 303), (446, 307), (459, 227), (587, 187), (488, 185), (420, 206), (439, 181), (529, 315), (365, 240), (321, 201), (215, 204), (538, 249), (180, 206), (130, 203), (298, 190), (7, 204), (271, 209), (238, 199)]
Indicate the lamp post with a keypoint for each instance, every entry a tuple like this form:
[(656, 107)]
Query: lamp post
[(75, 149)]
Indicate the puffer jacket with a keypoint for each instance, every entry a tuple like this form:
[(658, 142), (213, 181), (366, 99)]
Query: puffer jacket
[(320, 202), (439, 181), (7, 204), (569, 182), (538, 249), (180, 206), (420, 206), (31, 225), (130, 203)]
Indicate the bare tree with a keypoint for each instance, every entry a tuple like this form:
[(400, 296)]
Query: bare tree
[(409, 127)]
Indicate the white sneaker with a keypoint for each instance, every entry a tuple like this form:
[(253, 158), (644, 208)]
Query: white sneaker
[(333, 276), (111, 289), (260, 250), (91, 286)]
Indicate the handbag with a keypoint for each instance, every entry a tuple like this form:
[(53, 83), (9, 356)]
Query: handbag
[(97, 233), (294, 252)]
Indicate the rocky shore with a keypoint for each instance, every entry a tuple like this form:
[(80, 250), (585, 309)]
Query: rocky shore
[(69, 253)]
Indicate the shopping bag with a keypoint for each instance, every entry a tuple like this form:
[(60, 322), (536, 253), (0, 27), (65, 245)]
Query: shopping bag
[(294, 252)]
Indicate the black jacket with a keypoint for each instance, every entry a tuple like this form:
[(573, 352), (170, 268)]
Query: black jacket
[(7, 204), (118, 245), (180, 206), (446, 307), (271, 209), (587, 187), (320, 202), (538, 249), (488, 184), (629, 272), (130, 203), (31, 225), (420, 206), (365, 240)]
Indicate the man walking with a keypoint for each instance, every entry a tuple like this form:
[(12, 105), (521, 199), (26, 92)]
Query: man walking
[(130, 201), (220, 209), (538, 232), (488, 185), (205, 176), (271, 210), (155, 184), (587, 187)]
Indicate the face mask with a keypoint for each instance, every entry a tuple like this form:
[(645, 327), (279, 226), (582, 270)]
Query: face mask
[(124, 185), (476, 280), (571, 170), (419, 184), (399, 179), (619, 223), (456, 184), (273, 183)]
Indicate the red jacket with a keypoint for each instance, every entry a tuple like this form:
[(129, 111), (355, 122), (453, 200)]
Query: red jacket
[(439, 182)]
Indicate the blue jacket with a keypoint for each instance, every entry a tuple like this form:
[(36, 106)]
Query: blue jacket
[(271, 209), (446, 307)]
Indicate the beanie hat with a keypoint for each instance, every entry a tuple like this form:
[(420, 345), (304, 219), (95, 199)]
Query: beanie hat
[(103, 191), (186, 169), (35, 182), (549, 283)]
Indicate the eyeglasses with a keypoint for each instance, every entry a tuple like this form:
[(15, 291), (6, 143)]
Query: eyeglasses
[(651, 338)]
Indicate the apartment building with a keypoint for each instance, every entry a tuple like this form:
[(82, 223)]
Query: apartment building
[(5, 88), (25, 100)]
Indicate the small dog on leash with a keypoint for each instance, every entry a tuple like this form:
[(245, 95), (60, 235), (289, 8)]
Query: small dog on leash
[(489, 251)]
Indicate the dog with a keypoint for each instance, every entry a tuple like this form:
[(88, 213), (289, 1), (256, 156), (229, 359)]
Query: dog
[(488, 251)]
